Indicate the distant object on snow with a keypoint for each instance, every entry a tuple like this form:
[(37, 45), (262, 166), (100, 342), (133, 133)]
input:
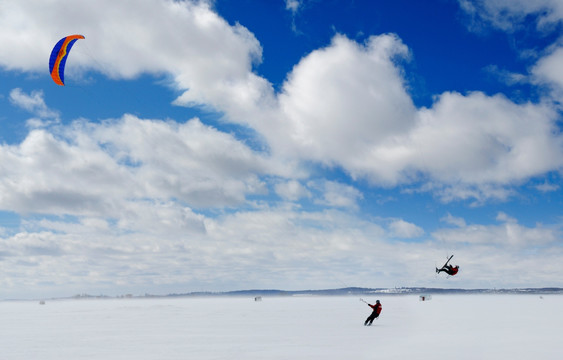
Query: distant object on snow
[(425, 297), (258, 298), (42, 302)]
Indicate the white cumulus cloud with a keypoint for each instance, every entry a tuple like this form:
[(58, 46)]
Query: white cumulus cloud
[(404, 229), (33, 103)]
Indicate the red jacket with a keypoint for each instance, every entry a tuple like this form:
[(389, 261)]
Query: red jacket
[(376, 308), (453, 270)]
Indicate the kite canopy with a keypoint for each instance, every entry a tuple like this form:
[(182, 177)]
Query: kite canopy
[(58, 57)]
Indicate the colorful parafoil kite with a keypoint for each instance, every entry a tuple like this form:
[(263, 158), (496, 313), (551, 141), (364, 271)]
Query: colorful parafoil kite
[(58, 57)]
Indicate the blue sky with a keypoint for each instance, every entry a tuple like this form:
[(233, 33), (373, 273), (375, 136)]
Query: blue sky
[(224, 145)]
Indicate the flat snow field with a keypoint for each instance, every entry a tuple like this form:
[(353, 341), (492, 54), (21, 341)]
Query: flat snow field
[(445, 327)]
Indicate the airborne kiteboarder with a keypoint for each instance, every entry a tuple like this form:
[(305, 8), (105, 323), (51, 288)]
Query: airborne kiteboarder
[(448, 269)]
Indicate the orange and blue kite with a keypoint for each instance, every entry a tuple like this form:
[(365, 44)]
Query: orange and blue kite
[(58, 57)]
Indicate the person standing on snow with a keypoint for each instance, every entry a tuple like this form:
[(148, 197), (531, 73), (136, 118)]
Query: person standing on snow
[(375, 313)]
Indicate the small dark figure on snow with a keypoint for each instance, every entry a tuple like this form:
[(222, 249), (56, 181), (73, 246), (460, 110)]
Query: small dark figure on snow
[(448, 269), (375, 313)]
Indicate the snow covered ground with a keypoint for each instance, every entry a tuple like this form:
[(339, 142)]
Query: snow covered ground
[(445, 327)]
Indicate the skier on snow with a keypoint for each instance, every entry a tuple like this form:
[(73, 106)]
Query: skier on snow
[(375, 313)]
